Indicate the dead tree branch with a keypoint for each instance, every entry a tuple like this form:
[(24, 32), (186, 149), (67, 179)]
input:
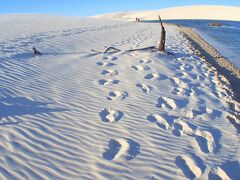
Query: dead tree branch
[(163, 37), (115, 50), (112, 49), (142, 49), (35, 51)]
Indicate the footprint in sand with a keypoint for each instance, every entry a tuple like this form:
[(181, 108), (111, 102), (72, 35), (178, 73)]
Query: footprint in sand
[(218, 173), (110, 115), (145, 61), (181, 74), (160, 121), (188, 166), (105, 82), (145, 88), (162, 77), (105, 64), (101, 63), (186, 67), (234, 119), (114, 58), (175, 80), (181, 127), (132, 54), (205, 141), (151, 76), (205, 111), (196, 76), (179, 83), (188, 92), (111, 64), (109, 72), (165, 102), (123, 147), (113, 95), (168, 122), (140, 68)]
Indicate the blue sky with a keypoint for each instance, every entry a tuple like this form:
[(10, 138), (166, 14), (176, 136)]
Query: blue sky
[(93, 7)]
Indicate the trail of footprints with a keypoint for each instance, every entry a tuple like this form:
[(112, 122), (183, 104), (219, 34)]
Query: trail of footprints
[(128, 149), (180, 127), (205, 140), (122, 147)]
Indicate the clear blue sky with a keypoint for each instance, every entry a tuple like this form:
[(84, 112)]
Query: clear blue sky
[(93, 7)]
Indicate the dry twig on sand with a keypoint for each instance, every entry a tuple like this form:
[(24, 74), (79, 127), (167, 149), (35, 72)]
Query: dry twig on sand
[(35, 51), (112, 50)]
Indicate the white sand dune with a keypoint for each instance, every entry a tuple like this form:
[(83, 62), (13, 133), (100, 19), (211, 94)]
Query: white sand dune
[(184, 12), (72, 113)]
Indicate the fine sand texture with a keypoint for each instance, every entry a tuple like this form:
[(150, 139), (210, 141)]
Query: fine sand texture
[(76, 113)]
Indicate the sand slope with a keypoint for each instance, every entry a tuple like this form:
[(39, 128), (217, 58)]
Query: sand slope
[(72, 113), (185, 12)]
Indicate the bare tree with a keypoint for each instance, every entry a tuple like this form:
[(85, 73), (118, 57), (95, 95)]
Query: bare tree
[(163, 37)]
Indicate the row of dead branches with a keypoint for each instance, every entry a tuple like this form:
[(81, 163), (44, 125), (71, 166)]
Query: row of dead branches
[(161, 47)]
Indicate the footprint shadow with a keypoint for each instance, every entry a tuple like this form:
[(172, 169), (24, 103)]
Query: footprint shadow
[(115, 115), (116, 149), (115, 81), (162, 77), (105, 82), (180, 162), (216, 114), (172, 103), (102, 82), (162, 121), (203, 144), (111, 64), (145, 88), (133, 150), (113, 148), (232, 168), (100, 63), (176, 132), (192, 167)]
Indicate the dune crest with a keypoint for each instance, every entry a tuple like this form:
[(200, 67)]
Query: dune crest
[(184, 12)]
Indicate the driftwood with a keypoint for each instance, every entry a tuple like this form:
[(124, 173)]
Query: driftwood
[(163, 37), (109, 49), (98, 52), (35, 51), (142, 49), (115, 50), (112, 49)]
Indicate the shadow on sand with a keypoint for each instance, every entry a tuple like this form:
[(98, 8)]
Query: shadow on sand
[(19, 106)]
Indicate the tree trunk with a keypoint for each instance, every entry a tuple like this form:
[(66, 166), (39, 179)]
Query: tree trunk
[(162, 38)]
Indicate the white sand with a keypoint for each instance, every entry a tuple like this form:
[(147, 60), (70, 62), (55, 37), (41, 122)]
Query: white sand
[(75, 114), (184, 12)]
